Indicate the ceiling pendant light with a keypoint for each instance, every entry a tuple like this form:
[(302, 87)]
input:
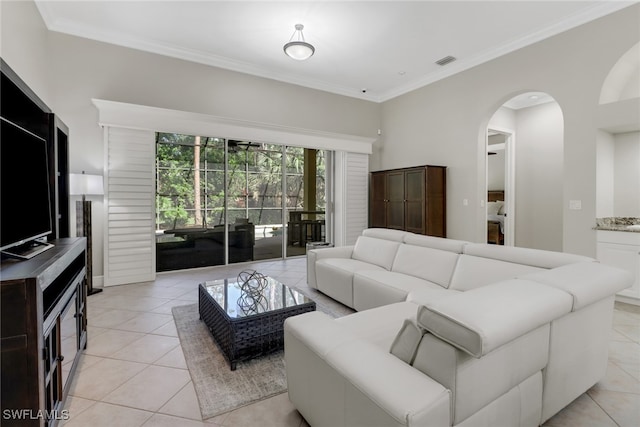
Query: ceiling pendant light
[(298, 49)]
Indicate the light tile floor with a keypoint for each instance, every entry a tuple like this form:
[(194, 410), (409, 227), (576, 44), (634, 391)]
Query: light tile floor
[(133, 372)]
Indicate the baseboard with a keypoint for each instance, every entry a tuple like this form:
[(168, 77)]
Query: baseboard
[(98, 281), (628, 300)]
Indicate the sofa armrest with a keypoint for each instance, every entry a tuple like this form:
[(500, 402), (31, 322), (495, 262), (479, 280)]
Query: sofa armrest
[(334, 378), (483, 319), (314, 255)]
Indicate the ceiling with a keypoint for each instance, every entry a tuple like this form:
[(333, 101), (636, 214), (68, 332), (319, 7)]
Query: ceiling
[(373, 50)]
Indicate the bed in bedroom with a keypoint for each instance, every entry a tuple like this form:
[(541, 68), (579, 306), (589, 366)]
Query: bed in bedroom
[(495, 217)]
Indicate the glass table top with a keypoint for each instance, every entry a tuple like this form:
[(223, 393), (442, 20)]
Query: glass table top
[(238, 302)]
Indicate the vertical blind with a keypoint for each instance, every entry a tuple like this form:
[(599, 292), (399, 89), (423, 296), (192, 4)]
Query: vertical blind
[(356, 191), (130, 206)]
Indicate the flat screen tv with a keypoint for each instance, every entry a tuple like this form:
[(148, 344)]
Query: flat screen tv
[(25, 204)]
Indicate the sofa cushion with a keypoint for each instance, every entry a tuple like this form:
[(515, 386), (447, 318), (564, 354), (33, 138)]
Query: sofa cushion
[(483, 319), (334, 277), (348, 265), (473, 272), (405, 345), (426, 263), (380, 325), (441, 243), (385, 233), (426, 296), (533, 257), (326, 335), (587, 282), (380, 390), (375, 251), (373, 288)]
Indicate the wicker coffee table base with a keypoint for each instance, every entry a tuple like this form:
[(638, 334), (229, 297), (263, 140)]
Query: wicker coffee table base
[(246, 337)]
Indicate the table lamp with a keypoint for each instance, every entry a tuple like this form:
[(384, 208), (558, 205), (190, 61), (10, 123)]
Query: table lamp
[(86, 185)]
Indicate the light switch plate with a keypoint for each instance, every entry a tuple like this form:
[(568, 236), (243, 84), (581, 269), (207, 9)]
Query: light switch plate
[(575, 205)]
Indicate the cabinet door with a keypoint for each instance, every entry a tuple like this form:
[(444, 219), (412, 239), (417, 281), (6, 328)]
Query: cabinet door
[(378, 205), (396, 200), (69, 337), (414, 201), (52, 368), (626, 257), (19, 355), (82, 314), (436, 203)]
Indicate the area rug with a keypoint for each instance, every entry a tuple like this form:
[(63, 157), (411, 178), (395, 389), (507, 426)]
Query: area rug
[(219, 389)]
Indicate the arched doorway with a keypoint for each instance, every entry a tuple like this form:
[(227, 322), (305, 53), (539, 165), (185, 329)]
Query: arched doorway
[(524, 199)]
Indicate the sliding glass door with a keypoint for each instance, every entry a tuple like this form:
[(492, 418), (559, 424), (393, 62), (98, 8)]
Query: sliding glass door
[(190, 201), (227, 201), (306, 198), (254, 199)]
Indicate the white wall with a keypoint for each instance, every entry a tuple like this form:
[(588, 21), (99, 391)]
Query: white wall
[(626, 175), (503, 119), (496, 162), (24, 46), (604, 174), (444, 123), (623, 80), (496, 170), (539, 169), (69, 71)]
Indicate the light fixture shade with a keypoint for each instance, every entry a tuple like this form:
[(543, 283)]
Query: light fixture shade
[(298, 49), (83, 184)]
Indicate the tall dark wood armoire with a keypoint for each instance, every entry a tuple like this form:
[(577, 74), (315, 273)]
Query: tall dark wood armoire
[(411, 199)]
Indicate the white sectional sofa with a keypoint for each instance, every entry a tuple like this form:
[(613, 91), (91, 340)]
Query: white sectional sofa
[(448, 333)]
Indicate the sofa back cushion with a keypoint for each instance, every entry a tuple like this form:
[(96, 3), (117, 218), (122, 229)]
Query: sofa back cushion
[(426, 263), (525, 256), (441, 243), (375, 251), (385, 233), (473, 272)]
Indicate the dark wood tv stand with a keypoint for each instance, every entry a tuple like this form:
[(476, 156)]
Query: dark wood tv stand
[(43, 330)]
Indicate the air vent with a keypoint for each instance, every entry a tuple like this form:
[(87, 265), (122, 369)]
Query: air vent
[(446, 60)]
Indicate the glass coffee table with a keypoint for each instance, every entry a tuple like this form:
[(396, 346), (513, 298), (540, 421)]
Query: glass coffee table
[(248, 324)]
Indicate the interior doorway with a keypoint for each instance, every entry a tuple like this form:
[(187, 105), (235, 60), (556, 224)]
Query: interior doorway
[(500, 194), (533, 172)]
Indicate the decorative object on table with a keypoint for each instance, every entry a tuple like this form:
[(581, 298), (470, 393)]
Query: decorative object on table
[(252, 286), (86, 185)]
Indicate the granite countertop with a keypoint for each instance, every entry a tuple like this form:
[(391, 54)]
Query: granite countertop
[(627, 224)]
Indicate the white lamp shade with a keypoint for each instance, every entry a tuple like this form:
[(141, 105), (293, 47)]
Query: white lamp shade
[(83, 184), (299, 50)]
